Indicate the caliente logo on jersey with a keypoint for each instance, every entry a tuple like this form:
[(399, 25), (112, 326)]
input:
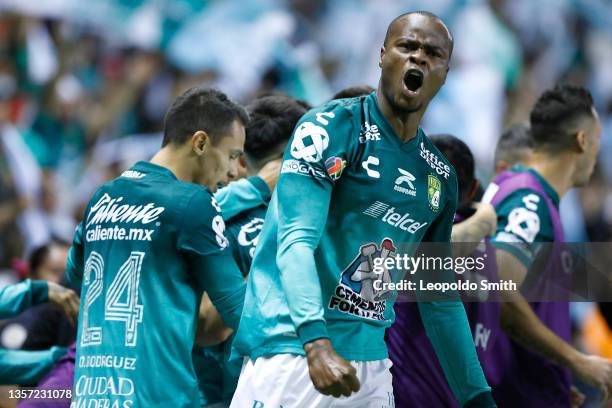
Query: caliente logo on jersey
[(356, 293), (309, 142), (109, 209)]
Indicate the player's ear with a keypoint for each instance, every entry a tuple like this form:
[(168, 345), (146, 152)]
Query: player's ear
[(581, 141), (382, 52), (200, 142)]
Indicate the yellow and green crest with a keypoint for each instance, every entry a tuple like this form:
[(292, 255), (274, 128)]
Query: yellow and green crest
[(434, 190)]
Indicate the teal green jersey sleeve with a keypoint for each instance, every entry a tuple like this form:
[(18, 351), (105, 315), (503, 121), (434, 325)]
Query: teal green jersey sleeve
[(242, 195), (74, 263), (27, 367), (205, 247), (304, 192), (523, 224), (14, 299), (446, 321)]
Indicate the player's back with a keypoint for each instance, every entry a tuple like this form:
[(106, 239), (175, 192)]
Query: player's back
[(139, 298)]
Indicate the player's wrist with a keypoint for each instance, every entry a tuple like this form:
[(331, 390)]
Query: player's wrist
[(40, 292), (262, 185), (317, 345), (311, 331), (573, 359)]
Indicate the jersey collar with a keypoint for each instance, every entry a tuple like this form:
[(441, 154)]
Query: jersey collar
[(387, 129), (550, 191), (151, 168)]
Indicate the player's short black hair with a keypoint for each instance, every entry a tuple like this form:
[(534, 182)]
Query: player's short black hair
[(557, 114), (513, 143), (451, 40), (272, 120), (354, 91), (204, 109), (39, 255), (460, 157)]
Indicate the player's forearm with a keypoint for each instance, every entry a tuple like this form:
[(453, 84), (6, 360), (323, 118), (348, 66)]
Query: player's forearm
[(301, 283), (242, 195), (14, 299), (220, 277), (446, 323), (523, 326), (211, 329), (27, 367), (469, 233)]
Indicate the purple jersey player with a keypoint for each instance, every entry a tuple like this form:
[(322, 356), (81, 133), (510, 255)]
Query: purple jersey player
[(534, 359)]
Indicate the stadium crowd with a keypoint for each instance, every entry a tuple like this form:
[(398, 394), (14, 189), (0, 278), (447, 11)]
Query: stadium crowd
[(84, 90)]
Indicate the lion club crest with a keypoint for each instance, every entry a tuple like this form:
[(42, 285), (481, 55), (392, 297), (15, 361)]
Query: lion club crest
[(355, 293)]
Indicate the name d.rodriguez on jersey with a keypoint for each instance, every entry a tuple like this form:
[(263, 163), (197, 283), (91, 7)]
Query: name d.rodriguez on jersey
[(446, 286)]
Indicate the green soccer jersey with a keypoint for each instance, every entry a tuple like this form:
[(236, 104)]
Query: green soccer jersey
[(246, 201), (349, 192), (243, 233), (523, 221), (148, 246)]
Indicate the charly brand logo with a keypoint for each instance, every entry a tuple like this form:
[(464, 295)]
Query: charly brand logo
[(368, 133), (405, 178), (434, 162), (368, 165), (309, 142), (434, 190), (108, 209), (392, 217), (356, 293)]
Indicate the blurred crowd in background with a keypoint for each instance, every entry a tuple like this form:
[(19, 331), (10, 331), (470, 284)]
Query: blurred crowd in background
[(84, 85)]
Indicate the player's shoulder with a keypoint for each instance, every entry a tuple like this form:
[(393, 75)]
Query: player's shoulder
[(433, 158), (334, 115), (525, 197), (201, 202)]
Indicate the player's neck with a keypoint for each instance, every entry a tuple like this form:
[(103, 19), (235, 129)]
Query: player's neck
[(172, 159), (405, 124), (556, 170)]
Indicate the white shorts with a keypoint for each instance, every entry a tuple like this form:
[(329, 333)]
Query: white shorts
[(283, 381)]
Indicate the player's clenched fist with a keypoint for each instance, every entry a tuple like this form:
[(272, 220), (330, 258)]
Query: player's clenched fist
[(66, 299), (330, 373)]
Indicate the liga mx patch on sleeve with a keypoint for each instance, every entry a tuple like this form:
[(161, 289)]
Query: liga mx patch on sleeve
[(335, 166)]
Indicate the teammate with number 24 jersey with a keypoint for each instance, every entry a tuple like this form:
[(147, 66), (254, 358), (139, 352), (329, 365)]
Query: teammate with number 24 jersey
[(151, 241)]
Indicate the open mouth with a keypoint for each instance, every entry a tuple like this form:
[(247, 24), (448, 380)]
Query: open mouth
[(413, 80)]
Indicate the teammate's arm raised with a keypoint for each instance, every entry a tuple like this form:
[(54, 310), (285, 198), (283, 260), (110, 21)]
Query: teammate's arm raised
[(304, 192), (446, 323)]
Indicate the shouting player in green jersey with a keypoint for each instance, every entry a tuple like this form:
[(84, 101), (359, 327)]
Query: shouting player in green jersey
[(150, 243), (359, 179)]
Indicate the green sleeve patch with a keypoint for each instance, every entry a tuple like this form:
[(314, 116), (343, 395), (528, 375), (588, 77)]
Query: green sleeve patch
[(523, 221)]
